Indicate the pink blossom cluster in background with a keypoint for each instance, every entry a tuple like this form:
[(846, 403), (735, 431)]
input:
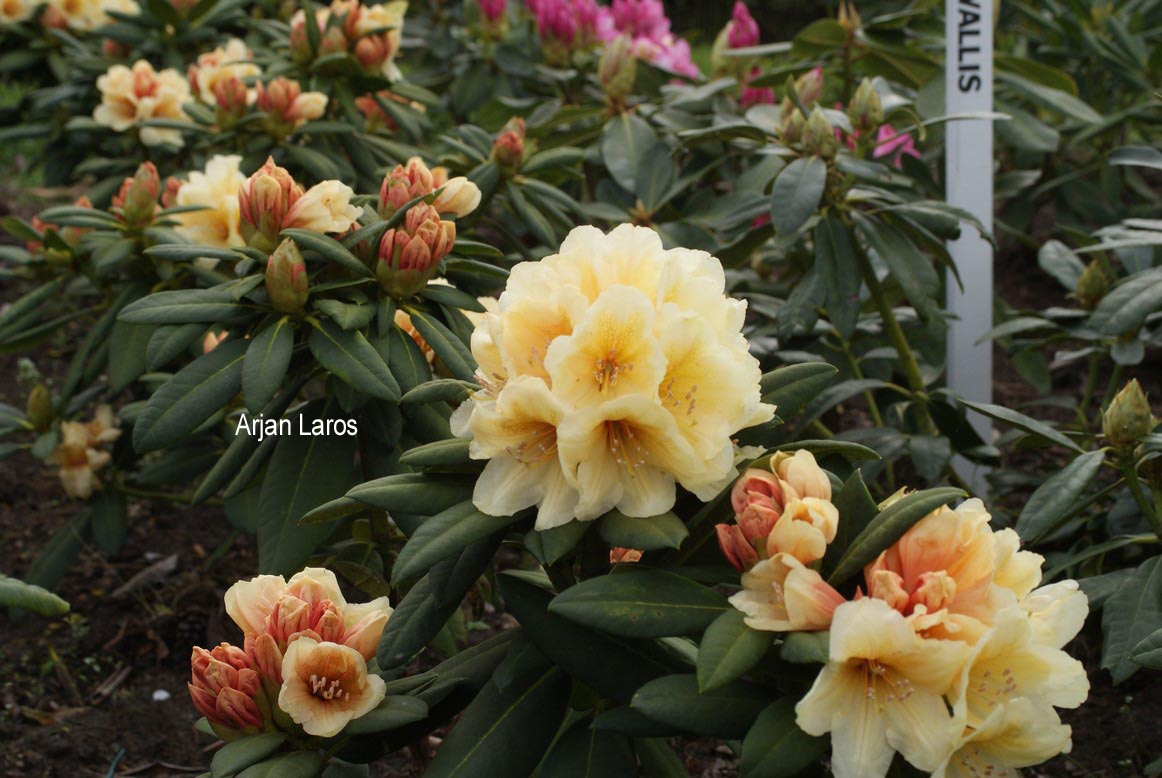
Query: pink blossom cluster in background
[(889, 143), (493, 10), (742, 31), (580, 24)]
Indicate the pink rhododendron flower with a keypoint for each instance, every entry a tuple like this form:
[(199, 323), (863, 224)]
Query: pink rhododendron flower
[(492, 10), (889, 143), (744, 30)]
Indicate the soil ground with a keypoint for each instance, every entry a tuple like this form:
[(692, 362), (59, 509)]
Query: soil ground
[(102, 692)]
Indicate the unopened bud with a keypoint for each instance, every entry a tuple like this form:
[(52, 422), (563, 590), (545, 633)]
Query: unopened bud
[(404, 184), (618, 69), (38, 408), (848, 17), (286, 278), (819, 136), (509, 148), (793, 127), (866, 110), (410, 255), (1128, 418), (809, 87), (1092, 286), (264, 200), (232, 99), (458, 197), (137, 198)]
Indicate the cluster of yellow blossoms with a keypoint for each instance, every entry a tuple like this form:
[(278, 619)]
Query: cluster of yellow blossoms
[(81, 452), (303, 665), (610, 372), (950, 654)]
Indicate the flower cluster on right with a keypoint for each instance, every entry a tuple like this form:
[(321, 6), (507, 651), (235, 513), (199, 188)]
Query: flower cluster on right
[(950, 653)]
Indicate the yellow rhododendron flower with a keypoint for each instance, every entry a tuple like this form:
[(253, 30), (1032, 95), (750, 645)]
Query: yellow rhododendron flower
[(14, 11), (81, 454), (325, 207), (612, 372), (234, 60), (1017, 734), (218, 223), (882, 690), (85, 15), (326, 685), (130, 96), (780, 594)]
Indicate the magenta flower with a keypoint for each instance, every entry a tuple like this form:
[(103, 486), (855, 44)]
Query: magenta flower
[(492, 10), (640, 19), (889, 143), (744, 30)]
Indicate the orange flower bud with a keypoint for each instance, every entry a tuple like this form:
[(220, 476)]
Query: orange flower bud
[(287, 106), (227, 690), (410, 255), (170, 195), (509, 148), (264, 201), (617, 555), (404, 184), (286, 278), (137, 199), (232, 99)]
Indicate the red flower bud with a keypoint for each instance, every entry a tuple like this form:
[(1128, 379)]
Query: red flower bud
[(410, 255), (509, 148), (404, 184), (137, 199), (264, 201), (227, 690)]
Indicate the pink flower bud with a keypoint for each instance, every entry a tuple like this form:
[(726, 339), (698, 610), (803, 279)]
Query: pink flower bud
[(287, 106), (226, 689), (744, 30), (137, 198), (232, 99), (404, 184), (410, 255), (508, 150), (617, 69), (264, 201)]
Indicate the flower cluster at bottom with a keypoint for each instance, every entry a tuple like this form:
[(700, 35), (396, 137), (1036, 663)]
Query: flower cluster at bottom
[(949, 654), (303, 667)]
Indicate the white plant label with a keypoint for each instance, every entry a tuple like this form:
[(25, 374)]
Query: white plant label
[(969, 185)]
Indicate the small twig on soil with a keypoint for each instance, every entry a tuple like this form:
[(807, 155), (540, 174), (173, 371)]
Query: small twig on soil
[(65, 677)]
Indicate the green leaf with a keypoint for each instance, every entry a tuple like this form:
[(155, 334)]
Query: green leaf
[(729, 649), (796, 194), (1055, 499), (15, 593), (266, 363), (505, 732), (305, 472), (191, 397), (448, 390), (51, 564), (853, 452), (169, 341), (886, 528), (186, 306), (624, 143), (394, 712), (236, 756), (449, 348), (1147, 653), (352, 359), (109, 514), (349, 316), (1059, 261), (910, 268), (413, 493), (856, 509), (658, 759), (1128, 304), (451, 296), (792, 387), (1053, 99), (431, 601), (613, 667), (443, 535), (837, 266), (650, 534), (641, 603), (584, 752), (299, 764), (330, 249), (1133, 612), (452, 452), (406, 361), (775, 747), (1142, 156), (728, 711), (128, 361), (1025, 424), (805, 648), (550, 545), (339, 508)]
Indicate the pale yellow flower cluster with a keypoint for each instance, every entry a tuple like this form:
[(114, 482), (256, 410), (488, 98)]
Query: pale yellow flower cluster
[(15, 11), (216, 189), (309, 647), (81, 452), (129, 96), (952, 657), (84, 15), (232, 61), (611, 372)]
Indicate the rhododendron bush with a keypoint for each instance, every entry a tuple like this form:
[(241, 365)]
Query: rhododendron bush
[(529, 319)]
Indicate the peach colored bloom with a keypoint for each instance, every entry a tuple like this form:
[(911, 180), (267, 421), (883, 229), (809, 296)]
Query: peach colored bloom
[(81, 453), (131, 96), (326, 685), (781, 594), (225, 63), (216, 189), (227, 690)]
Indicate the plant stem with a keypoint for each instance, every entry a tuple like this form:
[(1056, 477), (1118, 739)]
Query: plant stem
[(1131, 474), (892, 327), (873, 407), (1112, 388), (1087, 393)]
